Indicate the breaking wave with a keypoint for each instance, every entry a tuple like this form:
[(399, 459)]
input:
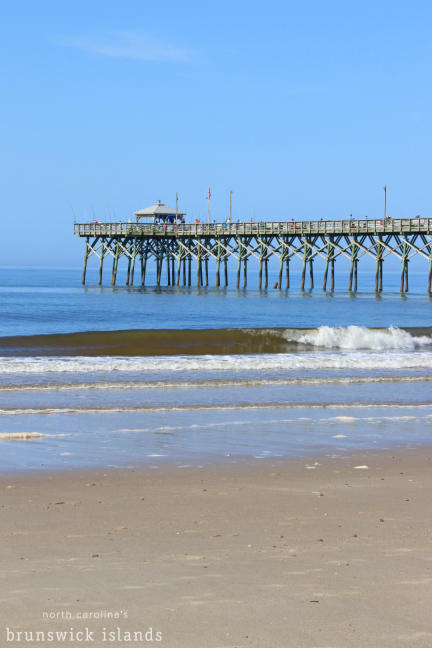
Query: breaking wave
[(191, 342), (357, 360), (191, 356), (360, 337)]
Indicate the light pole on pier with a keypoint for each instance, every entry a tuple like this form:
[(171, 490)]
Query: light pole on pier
[(385, 201)]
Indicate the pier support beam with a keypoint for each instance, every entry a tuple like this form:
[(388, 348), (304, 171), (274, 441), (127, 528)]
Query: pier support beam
[(199, 266), (355, 275), (134, 253), (143, 267), (159, 264), (307, 258), (206, 275), (128, 269), (404, 273), (287, 271), (239, 260), (168, 262), (115, 264), (281, 267), (379, 266), (218, 260), (303, 274), (261, 258), (327, 260), (157, 271), (429, 284), (179, 263), (86, 255), (354, 252), (332, 273), (380, 286), (101, 260), (199, 281)]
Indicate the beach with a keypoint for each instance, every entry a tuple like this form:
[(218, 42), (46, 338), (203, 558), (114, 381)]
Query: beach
[(213, 468), (279, 553)]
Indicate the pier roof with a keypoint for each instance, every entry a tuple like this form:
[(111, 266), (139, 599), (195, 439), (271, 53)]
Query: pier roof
[(159, 210)]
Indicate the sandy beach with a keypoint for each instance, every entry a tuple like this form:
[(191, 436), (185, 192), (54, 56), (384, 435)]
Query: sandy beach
[(326, 553)]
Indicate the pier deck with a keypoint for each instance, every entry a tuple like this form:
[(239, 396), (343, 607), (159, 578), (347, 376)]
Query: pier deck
[(176, 246), (396, 226)]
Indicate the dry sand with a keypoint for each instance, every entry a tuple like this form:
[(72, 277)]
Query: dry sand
[(274, 554)]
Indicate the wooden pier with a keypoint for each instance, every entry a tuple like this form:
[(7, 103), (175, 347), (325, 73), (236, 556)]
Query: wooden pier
[(184, 250)]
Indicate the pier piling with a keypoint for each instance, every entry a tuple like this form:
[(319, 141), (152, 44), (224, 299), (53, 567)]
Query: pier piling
[(86, 256)]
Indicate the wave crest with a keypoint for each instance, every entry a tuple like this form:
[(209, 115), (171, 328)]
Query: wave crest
[(318, 360), (353, 338)]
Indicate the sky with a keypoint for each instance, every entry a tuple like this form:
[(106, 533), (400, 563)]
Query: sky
[(303, 109)]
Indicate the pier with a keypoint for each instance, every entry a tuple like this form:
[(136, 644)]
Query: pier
[(182, 252)]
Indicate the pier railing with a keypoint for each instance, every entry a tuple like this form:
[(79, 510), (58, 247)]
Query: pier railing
[(351, 227)]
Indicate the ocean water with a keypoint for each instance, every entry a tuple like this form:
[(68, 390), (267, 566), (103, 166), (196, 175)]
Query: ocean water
[(102, 376)]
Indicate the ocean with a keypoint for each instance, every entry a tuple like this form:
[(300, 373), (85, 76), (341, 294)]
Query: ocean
[(125, 376)]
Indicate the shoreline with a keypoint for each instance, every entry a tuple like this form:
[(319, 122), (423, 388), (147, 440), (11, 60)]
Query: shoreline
[(172, 465), (279, 552)]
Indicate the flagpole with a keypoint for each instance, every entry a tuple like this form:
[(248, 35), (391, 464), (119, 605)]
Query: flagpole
[(176, 207), (385, 201), (208, 206), (231, 205)]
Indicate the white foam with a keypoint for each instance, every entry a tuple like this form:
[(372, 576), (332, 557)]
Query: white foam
[(211, 408), (372, 419), (132, 430), (360, 337), (25, 436), (212, 383), (319, 360)]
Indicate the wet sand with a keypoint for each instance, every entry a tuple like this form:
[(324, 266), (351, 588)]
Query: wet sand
[(276, 553)]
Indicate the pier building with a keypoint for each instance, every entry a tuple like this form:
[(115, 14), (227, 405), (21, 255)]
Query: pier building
[(160, 213)]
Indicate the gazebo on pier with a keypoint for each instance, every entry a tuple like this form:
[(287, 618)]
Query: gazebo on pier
[(160, 213)]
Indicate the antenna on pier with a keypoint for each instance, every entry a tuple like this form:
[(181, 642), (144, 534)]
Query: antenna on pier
[(230, 216), (208, 211), (385, 201), (176, 207)]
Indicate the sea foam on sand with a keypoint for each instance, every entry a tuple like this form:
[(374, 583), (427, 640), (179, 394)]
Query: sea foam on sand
[(25, 436)]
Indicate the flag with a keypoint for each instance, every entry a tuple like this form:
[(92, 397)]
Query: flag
[(208, 194)]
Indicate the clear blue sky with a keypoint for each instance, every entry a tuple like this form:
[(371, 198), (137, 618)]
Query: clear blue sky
[(303, 109)]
